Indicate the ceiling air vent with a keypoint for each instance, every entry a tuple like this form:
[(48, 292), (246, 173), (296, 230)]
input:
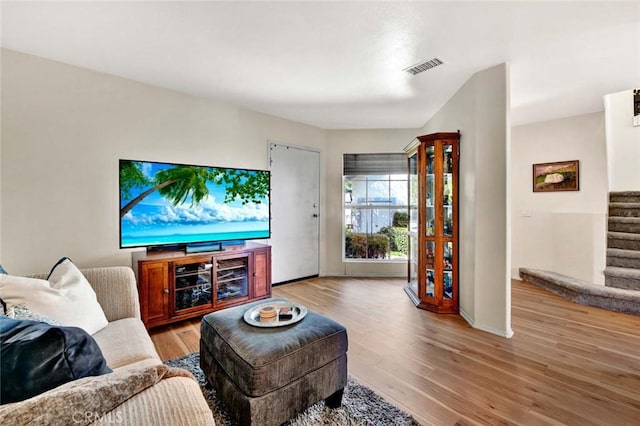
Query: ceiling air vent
[(423, 66)]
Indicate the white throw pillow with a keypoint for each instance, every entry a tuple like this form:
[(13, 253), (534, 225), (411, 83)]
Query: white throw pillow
[(66, 297)]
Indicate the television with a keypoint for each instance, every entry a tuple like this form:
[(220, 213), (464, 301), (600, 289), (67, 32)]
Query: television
[(168, 204)]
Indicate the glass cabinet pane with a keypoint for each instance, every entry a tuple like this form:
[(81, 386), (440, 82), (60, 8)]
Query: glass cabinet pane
[(413, 223), (447, 218), (193, 285), (413, 193), (413, 219), (431, 284), (430, 151), (448, 285), (447, 160), (448, 270), (430, 210), (413, 263), (231, 278), (447, 190), (430, 193), (430, 251)]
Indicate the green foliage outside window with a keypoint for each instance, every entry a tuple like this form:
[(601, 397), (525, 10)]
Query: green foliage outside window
[(365, 246), (397, 233), (400, 219), (398, 239)]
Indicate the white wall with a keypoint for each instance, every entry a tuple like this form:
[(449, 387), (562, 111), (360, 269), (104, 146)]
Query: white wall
[(623, 142), (64, 129), (563, 232), (480, 111), (353, 142), (1, 133), (0, 199), (0, 183)]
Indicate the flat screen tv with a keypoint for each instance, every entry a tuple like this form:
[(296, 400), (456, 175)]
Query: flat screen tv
[(166, 204)]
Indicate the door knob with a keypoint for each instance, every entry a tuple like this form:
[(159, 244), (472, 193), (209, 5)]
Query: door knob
[(165, 291), (315, 215)]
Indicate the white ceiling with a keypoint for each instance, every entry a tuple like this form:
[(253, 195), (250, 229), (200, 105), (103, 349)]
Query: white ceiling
[(339, 64)]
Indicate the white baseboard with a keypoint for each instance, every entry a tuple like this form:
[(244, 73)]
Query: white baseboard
[(502, 333), (362, 275)]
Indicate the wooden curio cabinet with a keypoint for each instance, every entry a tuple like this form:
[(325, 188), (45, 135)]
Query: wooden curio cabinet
[(433, 222)]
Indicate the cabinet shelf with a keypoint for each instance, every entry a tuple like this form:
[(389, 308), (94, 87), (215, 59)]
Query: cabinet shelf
[(224, 265), (191, 274), (234, 268), (227, 280)]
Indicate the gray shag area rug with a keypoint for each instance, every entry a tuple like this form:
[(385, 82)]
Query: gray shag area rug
[(360, 405)]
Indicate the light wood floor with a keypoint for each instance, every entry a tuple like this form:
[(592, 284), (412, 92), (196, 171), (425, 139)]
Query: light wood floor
[(566, 363)]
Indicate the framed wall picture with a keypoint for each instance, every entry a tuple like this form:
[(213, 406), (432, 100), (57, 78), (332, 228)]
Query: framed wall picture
[(558, 176)]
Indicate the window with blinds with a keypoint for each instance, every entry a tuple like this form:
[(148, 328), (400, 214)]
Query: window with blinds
[(375, 206)]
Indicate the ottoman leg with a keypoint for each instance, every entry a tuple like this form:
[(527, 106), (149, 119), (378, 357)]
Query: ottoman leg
[(335, 399)]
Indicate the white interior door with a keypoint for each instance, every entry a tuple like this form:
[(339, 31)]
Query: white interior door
[(295, 210)]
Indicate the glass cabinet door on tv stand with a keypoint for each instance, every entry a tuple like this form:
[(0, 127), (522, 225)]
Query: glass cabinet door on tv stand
[(193, 284), (433, 222), (232, 276)]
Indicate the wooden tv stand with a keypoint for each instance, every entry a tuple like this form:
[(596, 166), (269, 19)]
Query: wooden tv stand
[(174, 286)]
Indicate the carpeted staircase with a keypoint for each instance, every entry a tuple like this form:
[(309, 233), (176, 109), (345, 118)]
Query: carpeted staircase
[(623, 241), (621, 291)]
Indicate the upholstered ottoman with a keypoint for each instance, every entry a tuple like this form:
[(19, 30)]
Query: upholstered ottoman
[(266, 376)]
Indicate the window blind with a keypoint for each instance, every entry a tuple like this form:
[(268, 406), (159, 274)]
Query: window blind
[(374, 164)]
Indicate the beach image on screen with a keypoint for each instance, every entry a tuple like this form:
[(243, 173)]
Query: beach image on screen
[(164, 203)]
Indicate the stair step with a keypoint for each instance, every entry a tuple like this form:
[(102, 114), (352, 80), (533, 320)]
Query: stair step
[(623, 240), (624, 224), (623, 258), (624, 209), (634, 254), (625, 278), (624, 197)]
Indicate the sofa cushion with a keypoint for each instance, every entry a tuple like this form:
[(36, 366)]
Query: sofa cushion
[(83, 401), (126, 343), (175, 401), (66, 297), (260, 360), (36, 357)]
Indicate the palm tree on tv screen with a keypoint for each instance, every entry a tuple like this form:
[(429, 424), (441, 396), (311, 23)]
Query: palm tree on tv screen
[(178, 183)]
